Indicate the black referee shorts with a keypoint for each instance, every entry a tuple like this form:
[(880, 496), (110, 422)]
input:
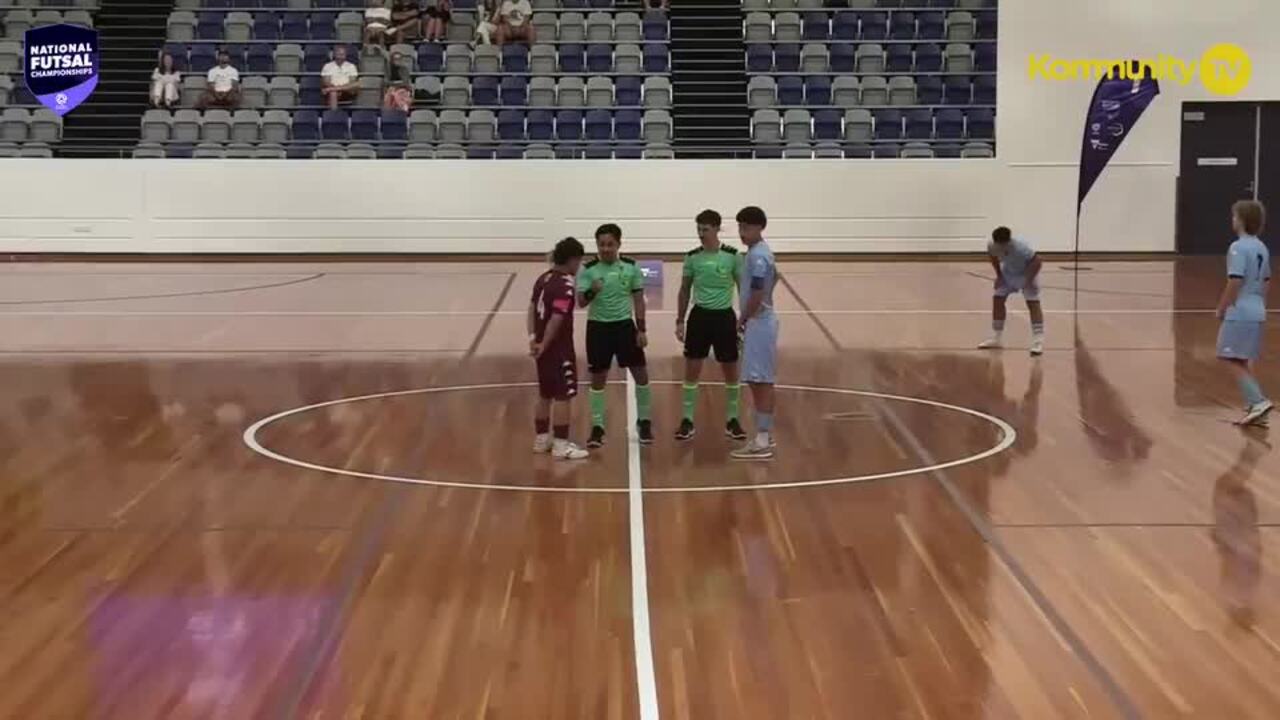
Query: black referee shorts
[(707, 329), (607, 340)]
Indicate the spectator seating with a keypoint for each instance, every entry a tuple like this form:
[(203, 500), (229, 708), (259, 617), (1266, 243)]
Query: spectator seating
[(594, 85), (871, 78)]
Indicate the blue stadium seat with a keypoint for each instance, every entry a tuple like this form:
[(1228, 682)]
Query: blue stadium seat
[(656, 58), (626, 125), (515, 58), (858, 152), (599, 151), (300, 151), (886, 150), (786, 57), (540, 125), (827, 125), (334, 125), (984, 90), (768, 152), (217, 4), (987, 24), (627, 91), (515, 91), (395, 125), (323, 26), (816, 26), (842, 57), (845, 26), (942, 3), (261, 58), (817, 90), (629, 151), (928, 58), (294, 27), (944, 150), (430, 57), (237, 52), (902, 26), (179, 53), (982, 124), (364, 125), (875, 26), (202, 58), (511, 125), (929, 90), (484, 90), (600, 58), (391, 151), (790, 90), (306, 126), (480, 152), (315, 57), (932, 26), (599, 125), (950, 124), (888, 124), (957, 90), (180, 151), (985, 57), (274, 4), (510, 152), (572, 58), (760, 58), (919, 124), (569, 125), (899, 59), (655, 26), (309, 90), (573, 4), (266, 27), (209, 25), (601, 4)]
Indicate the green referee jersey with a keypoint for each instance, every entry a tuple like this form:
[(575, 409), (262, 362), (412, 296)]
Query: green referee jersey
[(621, 279), (715, 276)]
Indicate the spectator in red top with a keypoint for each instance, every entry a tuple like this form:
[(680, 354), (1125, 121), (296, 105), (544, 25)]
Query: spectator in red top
[(550, 326)]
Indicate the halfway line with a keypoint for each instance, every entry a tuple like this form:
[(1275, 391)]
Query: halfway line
[(646, 682)]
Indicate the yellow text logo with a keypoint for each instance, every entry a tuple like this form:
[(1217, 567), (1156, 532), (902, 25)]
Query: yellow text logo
[(1224, 69)]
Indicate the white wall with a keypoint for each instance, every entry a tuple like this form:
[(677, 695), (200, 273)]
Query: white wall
[(818, 206)]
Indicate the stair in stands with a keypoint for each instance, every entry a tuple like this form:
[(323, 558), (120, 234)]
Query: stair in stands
[(709, 79), (130, 36)]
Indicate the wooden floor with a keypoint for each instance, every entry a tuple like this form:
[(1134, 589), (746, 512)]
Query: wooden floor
[(1120, 560)]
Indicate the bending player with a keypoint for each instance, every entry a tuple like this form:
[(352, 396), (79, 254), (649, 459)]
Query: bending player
[(759, 330), (613, 287), (1017, 267), (1243, 306), (711, 277), (551, 345)]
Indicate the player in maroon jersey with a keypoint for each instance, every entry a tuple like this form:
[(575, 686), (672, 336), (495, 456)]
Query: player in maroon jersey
[(551, 345)]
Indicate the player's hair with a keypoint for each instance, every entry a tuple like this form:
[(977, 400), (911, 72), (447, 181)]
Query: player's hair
[(1252, 214), (752, 215), (566, 250), (1002, 235), (709, 217), (609, 229)]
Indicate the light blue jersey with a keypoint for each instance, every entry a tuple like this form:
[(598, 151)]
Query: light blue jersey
[(1250, 261), (1015, 257), (761, 271)]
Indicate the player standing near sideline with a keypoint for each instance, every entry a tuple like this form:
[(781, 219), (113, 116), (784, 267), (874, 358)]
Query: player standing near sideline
[(613, 287), (551, 345), (711, 277), (1243, 306), (1017, 267), (759, 329)]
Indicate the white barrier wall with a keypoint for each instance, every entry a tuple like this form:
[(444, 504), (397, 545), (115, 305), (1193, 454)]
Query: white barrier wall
[(815, 206)]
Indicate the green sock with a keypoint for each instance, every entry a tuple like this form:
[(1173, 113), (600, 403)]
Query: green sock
[(597, 407), (644, 400), (690, 400), (733, 396)]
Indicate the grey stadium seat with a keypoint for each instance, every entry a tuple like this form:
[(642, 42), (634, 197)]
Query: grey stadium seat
[(786, 27), (208, 151), (658, 127), (17, 22), (370, 94), (875, 90), (186, 127), (238, 27), (192, 88), (627, 28), (658, 151), (282, 92), (486, 59), (762, 92), (216, 126), (784, 4), (78, 17), (450, 151), (422, 126), (240, 151), (6, 89), (269, 152), (959, 58), (35, 150), (457, 59), (156, 125), (542, 92), (182, 26), (329, 151), (857, 126), (571, 93), (977, 150), (797, 126), (814, 58), (544, 23), (276, 127), (246, 127), (361, 151), (289, 59), (9, 150), (46, 126), (148, 151), (15, 124), (373, 61), (452, 126), (845, 92), (573, 27), (827, 151), (599, 92), (419, 151), (759, 27), (481, 126), (350, 27), (543, 60), (254, 92), (766, 126), (870, 58), (599, 27), (10, 57), (456, 93), (628, 60), (429, 84), (961, 26), (798, 151), (917, 150), (902, 90), (539, 151)]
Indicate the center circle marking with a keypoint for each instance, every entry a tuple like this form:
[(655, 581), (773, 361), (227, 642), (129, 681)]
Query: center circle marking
[(1007, 437)]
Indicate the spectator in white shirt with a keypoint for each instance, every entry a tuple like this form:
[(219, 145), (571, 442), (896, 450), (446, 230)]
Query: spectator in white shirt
[(513, 22), (164, 84), (377, 23), (339, 78), (224, 85)]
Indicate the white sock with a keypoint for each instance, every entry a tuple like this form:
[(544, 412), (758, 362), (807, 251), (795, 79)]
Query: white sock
[(560, 444), (762, 439), (542, 437)]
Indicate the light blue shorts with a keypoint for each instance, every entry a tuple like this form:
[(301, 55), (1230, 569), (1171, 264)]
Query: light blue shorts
[(760, 350), (1013, 285), (1240, 340)]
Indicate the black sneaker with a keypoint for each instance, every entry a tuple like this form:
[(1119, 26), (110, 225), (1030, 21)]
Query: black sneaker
[(645, 430), (734, 430), (686, 430), (597, 437)]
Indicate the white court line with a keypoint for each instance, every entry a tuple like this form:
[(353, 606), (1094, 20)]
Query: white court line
[(482, 313), (646, 682)]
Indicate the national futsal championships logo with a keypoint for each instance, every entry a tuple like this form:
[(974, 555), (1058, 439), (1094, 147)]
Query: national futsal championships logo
[(1224, 69)]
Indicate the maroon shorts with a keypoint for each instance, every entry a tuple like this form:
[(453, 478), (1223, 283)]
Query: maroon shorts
[(558, 374)]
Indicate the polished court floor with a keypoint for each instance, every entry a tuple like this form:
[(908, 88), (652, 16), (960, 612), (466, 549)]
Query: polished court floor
[(1094, 541)]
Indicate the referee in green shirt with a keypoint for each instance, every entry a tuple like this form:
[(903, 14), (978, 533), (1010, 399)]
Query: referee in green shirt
[(613, 287), (711, 278)]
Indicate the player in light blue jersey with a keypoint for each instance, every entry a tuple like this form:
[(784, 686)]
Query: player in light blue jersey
[(758, 327), (1243, 306), (1017, 267)]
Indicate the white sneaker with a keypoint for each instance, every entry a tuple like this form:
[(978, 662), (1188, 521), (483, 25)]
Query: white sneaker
[(754, 450), (542, 443), (1037, 345), (565, 450), (1258, 413), (991, 343)]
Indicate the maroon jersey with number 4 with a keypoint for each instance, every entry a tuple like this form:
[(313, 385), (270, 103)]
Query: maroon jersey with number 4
[(553, 294)]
